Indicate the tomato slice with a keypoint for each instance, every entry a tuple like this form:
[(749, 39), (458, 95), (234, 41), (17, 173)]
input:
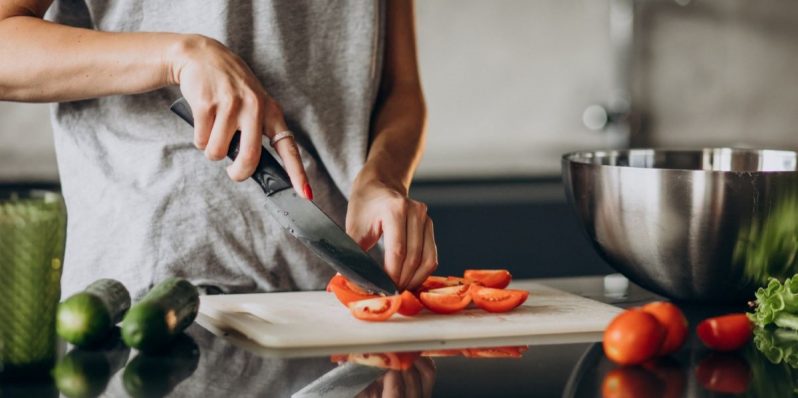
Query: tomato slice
[(410, 304), (497, 300), (496, 352), (447, 300), (437, 282), (375, 309), (347, 292), (382, 360), (441, 353), (725, 333), (338, 358), (495, 278)]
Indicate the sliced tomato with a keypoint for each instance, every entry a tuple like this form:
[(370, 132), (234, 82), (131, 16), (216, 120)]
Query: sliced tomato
[(385, 360), (329, 284), (495, 278), (441, 353), (347, 292), (495, 352), (338, 358), (410, 304), (497, 300), (447, 300), (725, 333), (437, 282), (375, 309)]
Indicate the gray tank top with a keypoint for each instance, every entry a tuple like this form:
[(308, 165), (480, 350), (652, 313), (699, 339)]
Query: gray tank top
[(144, 204)]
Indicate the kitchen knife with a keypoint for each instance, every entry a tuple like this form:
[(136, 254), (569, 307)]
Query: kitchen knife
[(302, 219), (344, 381)]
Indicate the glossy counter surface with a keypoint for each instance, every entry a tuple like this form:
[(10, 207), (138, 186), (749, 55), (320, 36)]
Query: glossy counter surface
[(207, 365)]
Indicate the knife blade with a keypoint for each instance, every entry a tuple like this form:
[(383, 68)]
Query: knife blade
[(305, 221)]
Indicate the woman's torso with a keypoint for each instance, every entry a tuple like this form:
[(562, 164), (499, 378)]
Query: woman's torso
[(144, 204)]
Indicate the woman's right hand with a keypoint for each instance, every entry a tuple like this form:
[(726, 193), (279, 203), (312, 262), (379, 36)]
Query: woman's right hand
[(225, 96)]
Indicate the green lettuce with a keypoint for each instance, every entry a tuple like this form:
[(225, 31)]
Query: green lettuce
[(773, 363), (777, 304)]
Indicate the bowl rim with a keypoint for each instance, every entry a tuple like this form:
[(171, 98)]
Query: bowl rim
[(582, 157)]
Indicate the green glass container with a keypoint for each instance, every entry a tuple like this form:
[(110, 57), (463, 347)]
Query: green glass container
[(32, 237)]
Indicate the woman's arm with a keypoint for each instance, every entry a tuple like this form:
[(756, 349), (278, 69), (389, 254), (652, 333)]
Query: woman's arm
[(379, 204), (48, 62)]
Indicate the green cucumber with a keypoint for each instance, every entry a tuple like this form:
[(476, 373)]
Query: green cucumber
[(85, 318), (163, 313), (157, 374), (85, 373)]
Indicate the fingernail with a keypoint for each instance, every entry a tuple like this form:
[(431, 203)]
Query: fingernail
[(307, 191)]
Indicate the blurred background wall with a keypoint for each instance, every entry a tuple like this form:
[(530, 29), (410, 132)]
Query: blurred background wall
[(507, 83)]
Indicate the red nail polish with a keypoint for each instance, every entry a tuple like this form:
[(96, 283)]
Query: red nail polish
[(307, 191)]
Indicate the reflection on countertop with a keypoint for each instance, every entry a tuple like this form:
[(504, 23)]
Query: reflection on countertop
[(201, 363)]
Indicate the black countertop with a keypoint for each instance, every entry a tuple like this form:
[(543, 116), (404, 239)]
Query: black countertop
[(206, 365)]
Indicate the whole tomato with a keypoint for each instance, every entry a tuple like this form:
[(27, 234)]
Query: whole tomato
[(633, 337), (672, 318)]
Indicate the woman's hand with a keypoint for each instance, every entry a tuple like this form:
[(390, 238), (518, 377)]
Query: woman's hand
[(376, 209), (225, 96)]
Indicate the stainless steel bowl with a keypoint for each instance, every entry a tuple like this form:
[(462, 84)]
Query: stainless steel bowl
[(693, 225)]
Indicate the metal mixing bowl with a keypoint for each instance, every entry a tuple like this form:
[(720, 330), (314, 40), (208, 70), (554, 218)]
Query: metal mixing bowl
[(692, 225)]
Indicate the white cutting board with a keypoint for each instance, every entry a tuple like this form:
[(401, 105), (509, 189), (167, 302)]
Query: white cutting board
[(317, 319)]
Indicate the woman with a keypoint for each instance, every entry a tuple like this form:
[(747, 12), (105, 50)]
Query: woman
[(143, 204)]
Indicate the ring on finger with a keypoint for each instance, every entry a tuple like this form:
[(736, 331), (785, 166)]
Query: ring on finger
[(279, 136)]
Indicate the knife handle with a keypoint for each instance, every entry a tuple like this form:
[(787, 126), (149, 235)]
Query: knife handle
[(269, 174)]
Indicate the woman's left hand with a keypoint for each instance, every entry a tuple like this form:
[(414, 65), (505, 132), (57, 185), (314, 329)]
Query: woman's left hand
[(376, 209)]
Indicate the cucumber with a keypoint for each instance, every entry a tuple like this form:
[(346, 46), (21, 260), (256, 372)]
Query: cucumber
[(85, 373), (157, 374), (85, 318), (163, 313)]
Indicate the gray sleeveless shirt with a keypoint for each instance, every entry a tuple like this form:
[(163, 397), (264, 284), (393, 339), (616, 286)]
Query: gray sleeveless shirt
[(144, 204)]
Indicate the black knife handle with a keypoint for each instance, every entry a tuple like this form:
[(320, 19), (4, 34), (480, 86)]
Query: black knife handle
[(269, 174)]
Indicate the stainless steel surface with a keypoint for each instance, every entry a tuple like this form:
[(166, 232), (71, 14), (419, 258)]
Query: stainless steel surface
[(317, 231), (704, 225)]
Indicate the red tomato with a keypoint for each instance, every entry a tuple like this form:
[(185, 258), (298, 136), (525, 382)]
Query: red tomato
[(672, 318), (441, 353), (630, 382), (497, 300), (725, 333), (633, 337), (495, 278), (385, 360), (495, 352), (410, 304), (347, 292), (724, 373), (447, 300), (437, 282), (338, 358), (375, 309)]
